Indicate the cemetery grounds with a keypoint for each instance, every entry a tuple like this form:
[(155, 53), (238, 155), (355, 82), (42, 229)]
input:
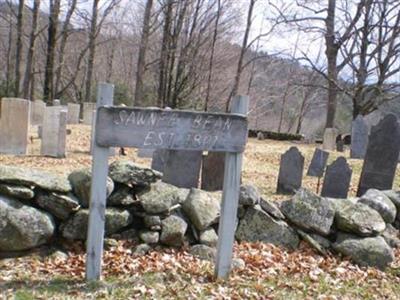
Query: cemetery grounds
[(270, 272)]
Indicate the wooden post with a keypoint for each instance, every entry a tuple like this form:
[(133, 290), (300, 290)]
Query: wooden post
[(230, 200), (98, 194)]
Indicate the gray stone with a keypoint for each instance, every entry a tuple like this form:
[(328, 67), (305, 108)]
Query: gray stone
[(73, 113), (314, 243), (81, 182), (110, 243), (367, 251), (88, 109), (202, 208), (391, 236), (359, 219), (248, 195), (173, 231), (394, 196), (209, 237), (359, 138), (54, 132), (151, 221), (14, 125), (238, 263), (258, 226), (142, 249), (129, 234), (381, 157), (37, 112), (23, 227), (318, 163), (290, 171), (309, 212), (149, 237), (203, 252), (212, 173), (75, 228), (59, 205), (17, 191), (31, 177), (271, 208), (182, 168), (337, 179), (59, 255), (381, 203), (126, 172), (159, 197), (159, 159), (123, 195), (329, 142)]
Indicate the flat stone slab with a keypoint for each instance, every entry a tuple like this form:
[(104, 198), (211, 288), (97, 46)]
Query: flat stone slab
[(359, 138), (290, 171), (318, 163)]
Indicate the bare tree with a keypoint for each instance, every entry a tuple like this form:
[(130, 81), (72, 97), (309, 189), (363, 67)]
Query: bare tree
[(18, 48)]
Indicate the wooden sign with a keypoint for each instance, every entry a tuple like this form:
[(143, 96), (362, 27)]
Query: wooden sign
[(166, 129), (170, 129)]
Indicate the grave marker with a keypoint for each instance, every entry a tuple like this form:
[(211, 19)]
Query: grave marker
[(318, 163), (381, 158), (212, 175), (359, 138), (174, 130), (337, 179), (14, 124), (54, 131), (290, 171), (73, 113), (88, 108), (37, 112)]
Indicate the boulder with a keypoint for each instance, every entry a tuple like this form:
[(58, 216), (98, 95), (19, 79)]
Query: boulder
[(309, 211), (203, 252), (394, 196), (391, 236), (151, 221), (30, 177), (159, 197), (149, 237), (359, 219), (271, 208), (16, 191), (259, 226), (81, 182), (59, 205), (75, 228), (249, 195), (173, 231), (23, 227), (126, 172), (381, 203), (365, 251), (315, 243), (122, 196), (142, 249), (209, 237), (202, 208)]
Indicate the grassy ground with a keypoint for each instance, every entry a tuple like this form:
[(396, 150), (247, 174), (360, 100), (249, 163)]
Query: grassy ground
[(269, 273)]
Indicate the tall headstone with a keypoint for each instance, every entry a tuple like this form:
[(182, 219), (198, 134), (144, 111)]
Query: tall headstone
[(212, 175), (73, 113), (88, 108), (159, 159), (329, 142), (182, 168), (381, 158), (359, 138), (14, 125), (318, 163), (337, 179), (290, 171), (54, 132), (37, 112)]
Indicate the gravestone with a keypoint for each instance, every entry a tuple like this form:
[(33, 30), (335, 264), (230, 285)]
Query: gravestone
[(182, 168), (88, 108), (159, 159), (329, 142), (359, 138), (337, 179), (290, 171), (56, 102), (73, 113), (14, 125), (381, 158), (340, 145), (318, 163), (212, 175), (37, 112), (54, 131)]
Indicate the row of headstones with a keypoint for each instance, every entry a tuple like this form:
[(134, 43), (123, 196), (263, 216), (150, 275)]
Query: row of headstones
[(16, 115), (379, 168)]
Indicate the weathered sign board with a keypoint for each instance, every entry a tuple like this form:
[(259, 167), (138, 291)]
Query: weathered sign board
[(166, 129)]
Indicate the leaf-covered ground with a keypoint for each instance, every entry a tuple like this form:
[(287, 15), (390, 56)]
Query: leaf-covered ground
[(270, 272)]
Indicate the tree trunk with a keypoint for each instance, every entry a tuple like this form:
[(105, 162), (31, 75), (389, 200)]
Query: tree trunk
[(92, 50), (141, 64), (9, 59), (31, 50), (18, 49)]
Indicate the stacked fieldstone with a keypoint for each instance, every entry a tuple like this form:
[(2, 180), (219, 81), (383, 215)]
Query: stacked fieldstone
[(38, 208)]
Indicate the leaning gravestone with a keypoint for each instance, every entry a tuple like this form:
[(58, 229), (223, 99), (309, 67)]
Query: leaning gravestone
[(37, 112), (182, 168), (329, 142), (88, 109), (290, 171), (337, 179), (73, 113), (14, 125), (381, 158), (359, 138), (54, 132), (318, 163), (212, 175)]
